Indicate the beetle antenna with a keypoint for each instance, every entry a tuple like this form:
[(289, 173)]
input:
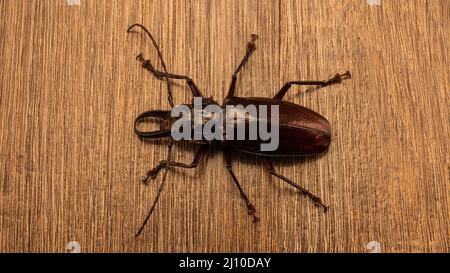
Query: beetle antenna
[(161, 187), (169, 148), (155, 44)]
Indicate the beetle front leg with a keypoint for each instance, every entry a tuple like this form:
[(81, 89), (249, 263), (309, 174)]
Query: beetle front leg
[(159, 74), (334, 80), (317, 201), (199, 155)]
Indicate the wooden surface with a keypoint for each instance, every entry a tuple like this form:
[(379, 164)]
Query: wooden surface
[(71, 163)]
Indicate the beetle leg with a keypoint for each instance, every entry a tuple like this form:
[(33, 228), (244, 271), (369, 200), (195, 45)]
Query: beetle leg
[(159, 74), (153, 173), (251, 208), (161, 187), (317, 201), (155, 44), (250, 48), (336, 79)]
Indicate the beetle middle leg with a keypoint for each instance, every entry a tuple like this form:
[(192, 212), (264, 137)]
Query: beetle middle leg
[(251, 208), (317, 201), (336, 79), (250, 48), (159, 74), (199, 155)]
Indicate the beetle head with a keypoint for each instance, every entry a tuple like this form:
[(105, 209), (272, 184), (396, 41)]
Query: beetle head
[(165, 125)]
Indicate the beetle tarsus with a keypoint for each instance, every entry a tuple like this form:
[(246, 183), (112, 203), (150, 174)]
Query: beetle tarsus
[(252, 211), (347, 75), (338, 78), (145, 179), (153, 173), (251, 45), (146, 63), (140, 57), (317, 201)]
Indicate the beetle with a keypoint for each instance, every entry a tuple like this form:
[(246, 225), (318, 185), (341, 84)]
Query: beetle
[(302, 131)]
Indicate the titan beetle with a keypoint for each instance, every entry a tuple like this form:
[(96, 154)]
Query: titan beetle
[(302, 131)]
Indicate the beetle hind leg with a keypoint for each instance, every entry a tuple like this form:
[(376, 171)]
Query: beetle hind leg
[(317, 201), (338, 78)]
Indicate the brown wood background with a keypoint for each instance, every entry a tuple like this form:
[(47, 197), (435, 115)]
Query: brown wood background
[(71, 163)]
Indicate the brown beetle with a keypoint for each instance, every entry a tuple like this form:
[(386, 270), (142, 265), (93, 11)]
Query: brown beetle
[(301, 130)]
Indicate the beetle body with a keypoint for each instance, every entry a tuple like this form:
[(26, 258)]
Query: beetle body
[(301, 131)]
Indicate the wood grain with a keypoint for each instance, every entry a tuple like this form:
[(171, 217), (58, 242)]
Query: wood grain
[(70, 161)]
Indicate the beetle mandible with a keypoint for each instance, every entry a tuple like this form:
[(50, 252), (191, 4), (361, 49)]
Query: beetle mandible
[(302, 131)]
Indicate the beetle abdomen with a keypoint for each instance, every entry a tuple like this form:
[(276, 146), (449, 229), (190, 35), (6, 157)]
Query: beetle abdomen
[(302, 131)]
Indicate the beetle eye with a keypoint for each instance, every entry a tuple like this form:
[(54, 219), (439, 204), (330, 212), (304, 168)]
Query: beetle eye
[(164, 124)]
